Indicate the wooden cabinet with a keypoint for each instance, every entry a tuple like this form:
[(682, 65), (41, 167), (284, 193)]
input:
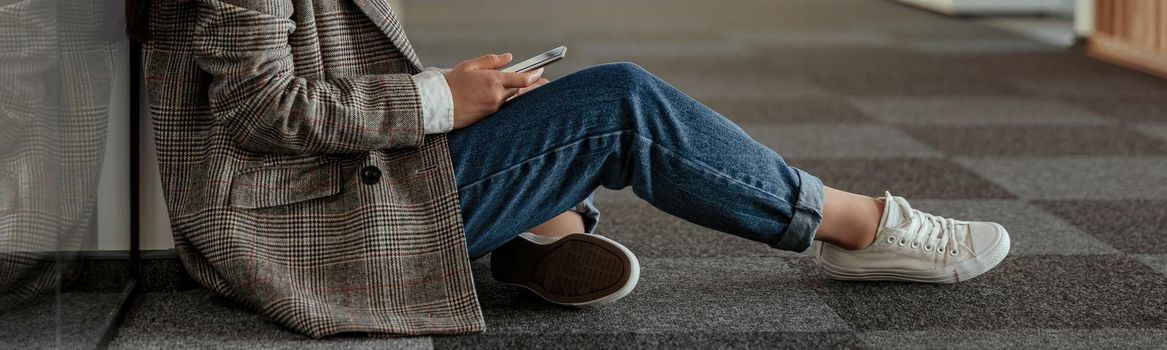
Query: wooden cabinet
[(1132, 33)]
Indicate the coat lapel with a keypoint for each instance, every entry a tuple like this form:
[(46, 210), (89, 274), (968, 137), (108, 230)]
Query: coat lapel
[(381, 14)]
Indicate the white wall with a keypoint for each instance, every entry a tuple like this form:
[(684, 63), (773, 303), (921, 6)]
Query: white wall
[(113, 191), (1084, 18)]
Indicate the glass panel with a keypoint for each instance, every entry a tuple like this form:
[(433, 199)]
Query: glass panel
[(63, 87)]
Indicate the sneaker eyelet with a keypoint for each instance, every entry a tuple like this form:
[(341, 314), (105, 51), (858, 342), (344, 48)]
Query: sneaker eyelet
[(953, 252), (903, 242), (891, 239), (940, 250), (915, 245), (928, 248)]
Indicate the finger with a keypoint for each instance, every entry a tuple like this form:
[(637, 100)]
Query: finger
[(524, 90), (508, 94), (541, 82), (530, 88), (491, 61), (520, 80)]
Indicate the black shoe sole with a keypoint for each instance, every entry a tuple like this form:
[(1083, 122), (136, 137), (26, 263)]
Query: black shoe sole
[(577, 270)]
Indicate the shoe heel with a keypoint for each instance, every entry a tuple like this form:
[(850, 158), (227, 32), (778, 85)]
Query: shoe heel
[(507, 263)]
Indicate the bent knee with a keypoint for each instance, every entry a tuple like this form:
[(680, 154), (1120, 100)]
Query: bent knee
[(621, 73), (622, 69)]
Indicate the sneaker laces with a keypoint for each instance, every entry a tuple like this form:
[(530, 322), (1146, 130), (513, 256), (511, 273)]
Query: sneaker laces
[(932, 232)]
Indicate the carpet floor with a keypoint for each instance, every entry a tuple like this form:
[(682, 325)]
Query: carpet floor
[(1068, 153)]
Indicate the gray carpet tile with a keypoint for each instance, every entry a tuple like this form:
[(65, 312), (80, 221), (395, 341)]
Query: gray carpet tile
[(888, 72), (1119, 85), (703, 85), (604, 195), (652, 233), (1014, 141), (647, 50), (973, 111), (1157, 262), (1101, 177), (1158, 130), (1086, 339), (674, 295), (72, 320), (95, 273), (816, 39), (841, 62), (892, 84), (745, 66), (646, 36), (198, 319), (1126, 109), (913, 178), (158, 273), (974, 46), (1037, 291), (788, 111), (1040, 66), (759, 339), (1031, 229), (1133, 226), (923, 25), (838, 141)]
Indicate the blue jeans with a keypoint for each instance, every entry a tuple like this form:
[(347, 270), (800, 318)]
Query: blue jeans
[(616, 125)]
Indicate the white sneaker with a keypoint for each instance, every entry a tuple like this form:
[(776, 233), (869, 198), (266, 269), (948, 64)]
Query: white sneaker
[(915, 246), (577, 270)]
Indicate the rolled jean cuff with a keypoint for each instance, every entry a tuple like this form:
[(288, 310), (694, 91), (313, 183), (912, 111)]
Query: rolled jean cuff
[(591, 215), (808, 214)]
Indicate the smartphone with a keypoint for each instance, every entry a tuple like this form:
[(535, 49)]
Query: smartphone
[(541, 60)]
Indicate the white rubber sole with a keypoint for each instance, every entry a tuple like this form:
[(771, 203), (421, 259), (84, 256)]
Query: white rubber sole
[(959, 273)]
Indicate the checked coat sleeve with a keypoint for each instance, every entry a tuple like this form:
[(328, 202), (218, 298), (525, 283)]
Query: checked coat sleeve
[(244, 45)]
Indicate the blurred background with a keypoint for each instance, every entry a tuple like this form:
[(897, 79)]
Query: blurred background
[(1049, 116)]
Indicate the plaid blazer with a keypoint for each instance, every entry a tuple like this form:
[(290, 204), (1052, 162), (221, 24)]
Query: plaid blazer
[(271, 119)]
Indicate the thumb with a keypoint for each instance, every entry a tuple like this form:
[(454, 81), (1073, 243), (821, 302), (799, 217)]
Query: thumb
[(520, 80)]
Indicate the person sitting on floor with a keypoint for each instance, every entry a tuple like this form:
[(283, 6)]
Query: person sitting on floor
[(317, 172)]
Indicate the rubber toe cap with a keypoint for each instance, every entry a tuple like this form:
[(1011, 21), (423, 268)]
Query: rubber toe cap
[(985, 236)]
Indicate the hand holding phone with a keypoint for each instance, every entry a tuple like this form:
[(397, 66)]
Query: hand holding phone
[(478, 88)]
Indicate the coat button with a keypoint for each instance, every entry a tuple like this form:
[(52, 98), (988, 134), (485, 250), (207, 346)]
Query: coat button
[(370, 175)]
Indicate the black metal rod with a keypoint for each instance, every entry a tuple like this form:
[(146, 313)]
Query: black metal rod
[(135, 161)]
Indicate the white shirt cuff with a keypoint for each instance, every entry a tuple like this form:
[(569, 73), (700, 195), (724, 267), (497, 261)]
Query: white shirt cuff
[(437, 104)]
